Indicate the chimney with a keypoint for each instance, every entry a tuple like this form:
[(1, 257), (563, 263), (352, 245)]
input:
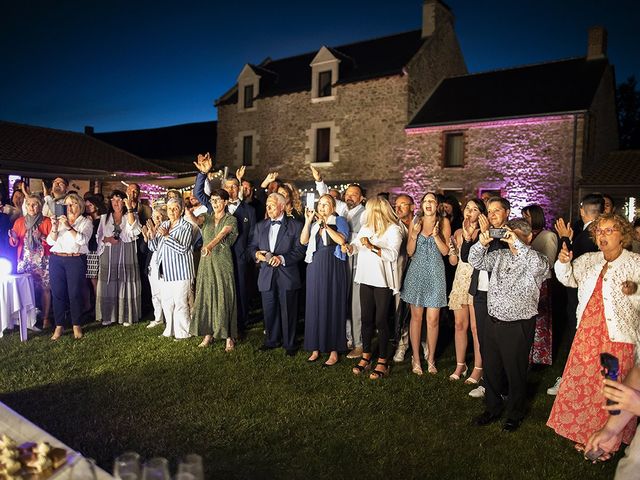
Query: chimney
[(434, 15), (88, 130), (597, 46)]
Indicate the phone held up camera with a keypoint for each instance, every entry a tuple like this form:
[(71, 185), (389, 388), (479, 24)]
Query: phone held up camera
[(497, 232), (60, 209), (611, 370)]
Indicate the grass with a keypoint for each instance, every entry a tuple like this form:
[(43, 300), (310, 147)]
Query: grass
[(264, 415)]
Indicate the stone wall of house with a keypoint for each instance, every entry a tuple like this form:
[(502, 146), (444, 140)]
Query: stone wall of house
[(603, 122), (528, 161), (369, 117), (439, 57)]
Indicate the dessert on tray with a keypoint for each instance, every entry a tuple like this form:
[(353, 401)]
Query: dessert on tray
[(29, 460)]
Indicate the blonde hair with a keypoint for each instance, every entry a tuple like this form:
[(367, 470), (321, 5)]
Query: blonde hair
[(621, 223), (380, 215), (75, 198), (294, 196)]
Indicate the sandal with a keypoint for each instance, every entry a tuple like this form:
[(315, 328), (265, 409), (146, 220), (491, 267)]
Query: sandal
[(431, 368), (471, 380), (454, 376), (377, 374), (358, 369)]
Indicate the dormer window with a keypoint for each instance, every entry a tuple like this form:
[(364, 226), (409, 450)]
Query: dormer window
[(248, 96), (324, 84), (248, 89), (324, 75)]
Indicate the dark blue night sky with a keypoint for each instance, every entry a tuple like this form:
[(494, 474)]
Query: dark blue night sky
[(132, 64)]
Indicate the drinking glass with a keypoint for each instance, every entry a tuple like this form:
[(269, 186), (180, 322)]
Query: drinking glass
[(127, 466), (192, 463), (156, 469)]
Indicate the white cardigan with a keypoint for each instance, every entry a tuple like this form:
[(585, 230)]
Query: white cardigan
[(622, 312), (374, 270)]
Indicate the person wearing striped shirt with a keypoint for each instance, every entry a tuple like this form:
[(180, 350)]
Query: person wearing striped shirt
[(173, 243)]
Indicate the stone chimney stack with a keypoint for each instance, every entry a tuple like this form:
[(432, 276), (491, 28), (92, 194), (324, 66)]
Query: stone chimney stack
[(434, 14), (597, 46)]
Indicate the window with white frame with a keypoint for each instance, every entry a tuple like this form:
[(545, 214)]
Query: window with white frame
[(322, 144)]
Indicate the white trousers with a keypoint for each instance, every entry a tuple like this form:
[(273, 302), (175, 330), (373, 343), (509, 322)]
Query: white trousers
[(175, 307), (629, 465), (156, 287)]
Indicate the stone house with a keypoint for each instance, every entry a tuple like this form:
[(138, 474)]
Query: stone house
[(528, 133), (401, 114), (342, 109)]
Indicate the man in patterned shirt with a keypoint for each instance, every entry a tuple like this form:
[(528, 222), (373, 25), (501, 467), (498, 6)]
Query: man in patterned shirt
[(516, 275)]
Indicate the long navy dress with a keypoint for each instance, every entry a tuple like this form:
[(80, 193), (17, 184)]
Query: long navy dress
[(326, 302)]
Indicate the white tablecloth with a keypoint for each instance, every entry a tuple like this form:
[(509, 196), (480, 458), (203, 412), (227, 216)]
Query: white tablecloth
[(22, 430), (17, 303)]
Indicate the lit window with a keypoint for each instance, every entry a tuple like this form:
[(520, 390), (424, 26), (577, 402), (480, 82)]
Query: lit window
[(324, 84), (454, 150), (323, 145)]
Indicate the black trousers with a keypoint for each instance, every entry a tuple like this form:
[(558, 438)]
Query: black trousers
[(506, 359), (482, 315), (374, 307)]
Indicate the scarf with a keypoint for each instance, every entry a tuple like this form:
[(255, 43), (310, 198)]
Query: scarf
[(31, 223)]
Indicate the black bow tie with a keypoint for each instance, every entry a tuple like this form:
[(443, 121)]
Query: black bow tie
[(276, 222), (234, 203)]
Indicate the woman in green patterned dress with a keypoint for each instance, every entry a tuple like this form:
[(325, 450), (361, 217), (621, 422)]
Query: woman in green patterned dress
[(215, 311)]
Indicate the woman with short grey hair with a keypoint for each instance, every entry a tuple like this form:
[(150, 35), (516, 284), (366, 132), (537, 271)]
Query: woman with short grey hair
[(172, 243)]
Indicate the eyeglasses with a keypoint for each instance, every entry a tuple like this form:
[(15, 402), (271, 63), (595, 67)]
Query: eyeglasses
[(606, 231)]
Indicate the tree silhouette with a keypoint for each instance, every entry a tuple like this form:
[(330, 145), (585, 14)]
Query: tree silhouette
[(628, 105)]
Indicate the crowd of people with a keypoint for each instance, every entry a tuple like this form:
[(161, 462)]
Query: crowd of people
[(356, 269)]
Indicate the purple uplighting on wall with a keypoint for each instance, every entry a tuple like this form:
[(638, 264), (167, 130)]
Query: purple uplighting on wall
[(529, 159)]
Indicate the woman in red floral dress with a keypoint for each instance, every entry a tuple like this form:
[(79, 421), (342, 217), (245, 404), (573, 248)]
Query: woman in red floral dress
[(608, 316)]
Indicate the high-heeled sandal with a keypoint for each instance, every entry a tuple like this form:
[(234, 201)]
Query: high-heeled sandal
[(230, 346), (416, 367), (77, 332), (57, 333), (358, 369), (454, 376), (377, 374), (471, 380), (431, 368)]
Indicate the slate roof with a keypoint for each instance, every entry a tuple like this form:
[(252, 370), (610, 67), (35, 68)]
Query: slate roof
[(620, 168), (379, 57), (174, 147), (545, 88), (49, 152)]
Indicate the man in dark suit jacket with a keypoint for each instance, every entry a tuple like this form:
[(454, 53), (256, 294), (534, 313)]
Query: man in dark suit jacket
[(246, 218), (276, 247)]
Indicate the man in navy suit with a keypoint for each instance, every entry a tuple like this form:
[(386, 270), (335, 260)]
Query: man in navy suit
[(246, 218), (277, 249)]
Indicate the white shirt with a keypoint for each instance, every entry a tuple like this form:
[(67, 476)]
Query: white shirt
[(622, 312), (128, 232), (374, 270), (65, 242), (273, 232), (232, 207)]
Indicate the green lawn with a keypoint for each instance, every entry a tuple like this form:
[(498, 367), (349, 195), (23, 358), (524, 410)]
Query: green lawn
[(264, 415)]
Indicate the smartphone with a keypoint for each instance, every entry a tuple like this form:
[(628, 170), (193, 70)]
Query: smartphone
[(60, 209), (593, 455), (497, 232), (610, 369), (311, 200)]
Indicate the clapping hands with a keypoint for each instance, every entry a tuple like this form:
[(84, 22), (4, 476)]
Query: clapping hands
[(563, 229)]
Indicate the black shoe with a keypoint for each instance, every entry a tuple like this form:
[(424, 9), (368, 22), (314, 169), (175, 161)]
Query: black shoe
[(291, 353), (486, 418), (511, 425), (265, 348)]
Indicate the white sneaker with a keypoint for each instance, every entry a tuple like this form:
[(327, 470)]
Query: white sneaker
[(556, 386), (400, 353), (106, 323), (477, 392), (154, 323), (126, 324)]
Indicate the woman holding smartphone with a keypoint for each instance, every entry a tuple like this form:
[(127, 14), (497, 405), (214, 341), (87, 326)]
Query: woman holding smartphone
[(425, 284), (326, 300)]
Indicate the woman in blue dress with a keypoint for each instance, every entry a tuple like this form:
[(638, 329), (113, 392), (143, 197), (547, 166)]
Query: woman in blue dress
[(425, 284), (326, 298)]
